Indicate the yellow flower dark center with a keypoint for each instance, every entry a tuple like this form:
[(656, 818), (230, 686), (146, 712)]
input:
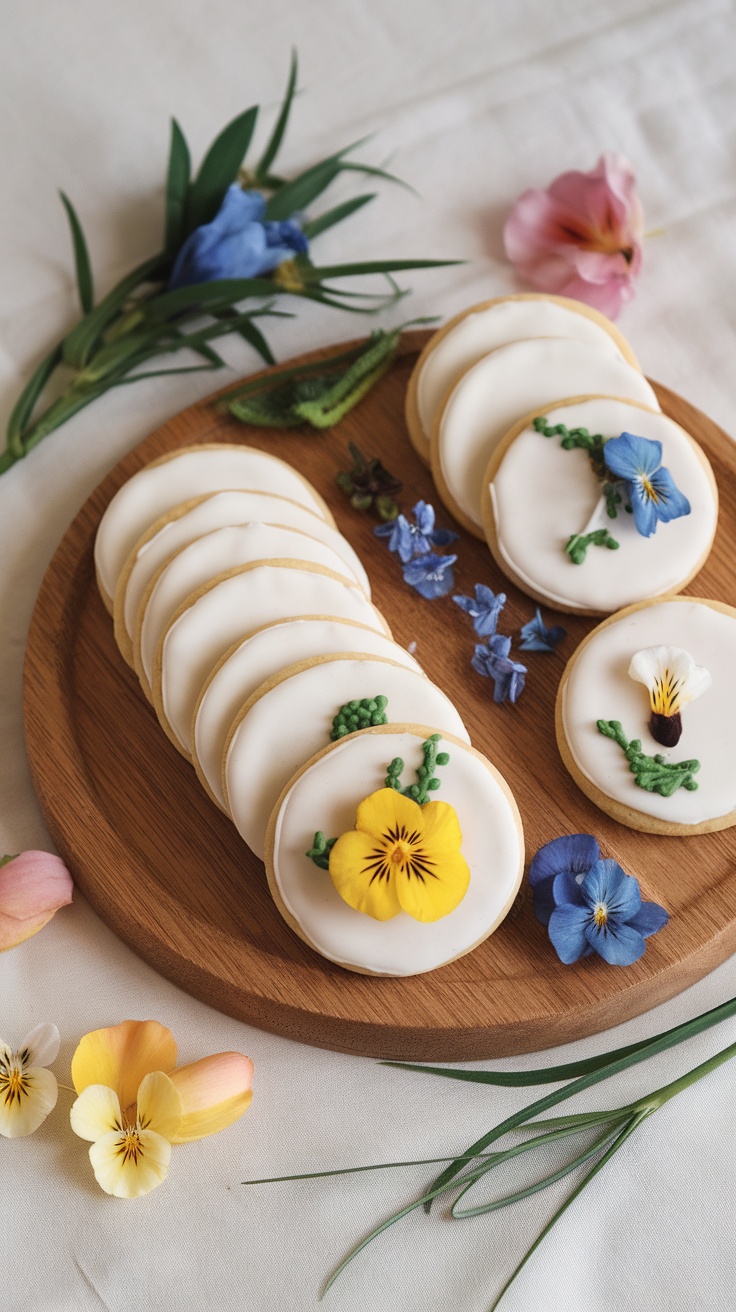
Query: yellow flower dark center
[(665, 693), (129, 1147), (399, 851), (14, 1085), (600, 915)]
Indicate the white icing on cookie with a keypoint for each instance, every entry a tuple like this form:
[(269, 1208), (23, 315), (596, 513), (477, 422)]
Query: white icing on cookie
[(189, 473), (260, 656), (541, 494), (229, 609), (598, 687), (497, 324), (215, 553), (511, 382), (216, 511), (283, 727), (326, 796)]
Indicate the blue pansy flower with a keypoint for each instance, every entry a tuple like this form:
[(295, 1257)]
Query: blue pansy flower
[(536, 637), (431, 575), (651, 488), (573, 854), (484, 609), (604, 914), (238, 243), (417, 539), (493, 661)]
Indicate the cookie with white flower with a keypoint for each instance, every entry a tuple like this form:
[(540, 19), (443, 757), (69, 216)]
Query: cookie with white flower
[(646, 720), (596, 503), (395, 850)]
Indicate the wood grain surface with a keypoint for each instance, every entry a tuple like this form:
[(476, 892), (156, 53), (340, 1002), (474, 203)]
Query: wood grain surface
[(168, 873)]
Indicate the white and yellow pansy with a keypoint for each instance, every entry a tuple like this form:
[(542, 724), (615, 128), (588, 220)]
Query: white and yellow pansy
[(28, 1091), (672, 679)]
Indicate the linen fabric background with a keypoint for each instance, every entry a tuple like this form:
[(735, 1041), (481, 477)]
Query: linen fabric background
[(471, 103)]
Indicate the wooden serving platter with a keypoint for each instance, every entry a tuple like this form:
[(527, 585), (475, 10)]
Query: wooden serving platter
[(169, 874)]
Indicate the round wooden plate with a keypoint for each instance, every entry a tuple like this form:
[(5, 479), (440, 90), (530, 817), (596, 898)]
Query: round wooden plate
[(169, 874)]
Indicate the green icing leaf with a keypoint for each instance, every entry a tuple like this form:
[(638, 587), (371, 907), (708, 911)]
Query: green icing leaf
[(577, 544), (653, 773)]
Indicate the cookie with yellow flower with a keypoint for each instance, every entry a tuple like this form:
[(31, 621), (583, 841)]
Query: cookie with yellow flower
[(395, 850), (646, 718)]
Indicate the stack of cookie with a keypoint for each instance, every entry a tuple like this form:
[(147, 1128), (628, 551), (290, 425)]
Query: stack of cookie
[(247, 617)]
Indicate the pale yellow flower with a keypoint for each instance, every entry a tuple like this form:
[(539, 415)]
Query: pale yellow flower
[(28, 1092)]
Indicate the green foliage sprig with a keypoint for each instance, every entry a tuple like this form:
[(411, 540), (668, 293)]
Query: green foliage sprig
[(653, 773), (139, 321)]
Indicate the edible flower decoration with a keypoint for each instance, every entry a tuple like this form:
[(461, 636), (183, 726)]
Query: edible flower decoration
[(28, 1091), (581, 236), (672, 679), (431, 575), (369, 485), (134, 1104), (32, 888), (484, 608), (535, 636), (401, 857), (637, 461), (409, 540), (597, 906), (493, 661)]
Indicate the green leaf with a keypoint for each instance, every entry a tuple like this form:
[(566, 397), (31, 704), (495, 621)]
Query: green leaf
[(177, 187), (301, 191), (372, 171), (277, 136), (336, 215), (315, 274), (23, 408), (246, 329), (79, 344), (219, 169), (219, 293), (81, 256)]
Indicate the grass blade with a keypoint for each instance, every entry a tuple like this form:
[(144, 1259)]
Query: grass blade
[(219, 168), (274, 142), (302, 190), (79, 344), (23, 408), (81, 256), (219, 293), (244, 326), (177, 188), (336, 215), (316, 274)]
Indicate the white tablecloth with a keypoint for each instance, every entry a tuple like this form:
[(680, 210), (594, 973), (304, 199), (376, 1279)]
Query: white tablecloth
[(472, 103)]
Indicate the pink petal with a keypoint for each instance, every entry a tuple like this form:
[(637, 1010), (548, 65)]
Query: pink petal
[(32, 887), (214, 1092)]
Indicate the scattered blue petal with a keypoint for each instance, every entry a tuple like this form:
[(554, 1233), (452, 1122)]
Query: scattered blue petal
[(601, 913), (572, 855), (430, 575), (535, 636), (238, 243), (651, 489), (409, 540), (484, 609), (492, 660)]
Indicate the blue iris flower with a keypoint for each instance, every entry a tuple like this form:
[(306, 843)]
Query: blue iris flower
[(536, 637), (493, 661), (484, 609), (431, 575), (603, 913), (651, 488), (238, 243), (574, 854), (410, 540)]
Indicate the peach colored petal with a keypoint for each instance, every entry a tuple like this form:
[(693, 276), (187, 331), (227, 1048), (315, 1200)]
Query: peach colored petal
[(122, 1055), (32, 887), (214, 1091)]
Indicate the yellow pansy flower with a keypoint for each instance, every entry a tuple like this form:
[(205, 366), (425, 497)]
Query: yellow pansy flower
[(401, 857), (28, 1092), (134, 1104)]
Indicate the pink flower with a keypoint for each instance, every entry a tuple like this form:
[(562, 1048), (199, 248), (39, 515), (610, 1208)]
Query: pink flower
[(32, 887), (581, 237)]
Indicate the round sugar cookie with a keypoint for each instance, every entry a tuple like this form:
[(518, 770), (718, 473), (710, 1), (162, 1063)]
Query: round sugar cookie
[(215, 553), (536, 495), (199, 515), (505, 385), (257, 658), (596, 686), (225, 610), (188, 472), (289, 718), (470, 335), (325, 794)]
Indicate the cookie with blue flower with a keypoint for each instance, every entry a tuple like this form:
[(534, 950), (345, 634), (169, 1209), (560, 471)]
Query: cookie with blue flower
[(645, 719), (597, 503)]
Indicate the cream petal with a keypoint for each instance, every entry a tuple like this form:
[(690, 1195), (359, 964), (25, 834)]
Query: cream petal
[(96, 1112), (653, 664), (130, 1163), (215, 1092), (41, 1045), (159, 1105), (26, 1098)]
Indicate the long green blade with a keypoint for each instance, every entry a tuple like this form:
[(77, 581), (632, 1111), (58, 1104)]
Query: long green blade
[(277, 136), (336, 215), (177, 187), (220, 292), (316, 274), (81, 341), (301, 191), (23, 408), (219, 169), (81, 256)]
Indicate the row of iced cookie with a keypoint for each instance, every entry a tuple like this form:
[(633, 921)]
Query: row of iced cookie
[(248, 619), (513, 403)]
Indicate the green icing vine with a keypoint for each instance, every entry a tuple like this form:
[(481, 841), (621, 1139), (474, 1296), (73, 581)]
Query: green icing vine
[(653, 773), (359, 715), (577, 545), (320, 850), (576, 438)]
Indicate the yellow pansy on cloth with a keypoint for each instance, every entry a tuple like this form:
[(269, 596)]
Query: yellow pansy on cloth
[(401, 857), (28, 1092), (134, 1104)]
